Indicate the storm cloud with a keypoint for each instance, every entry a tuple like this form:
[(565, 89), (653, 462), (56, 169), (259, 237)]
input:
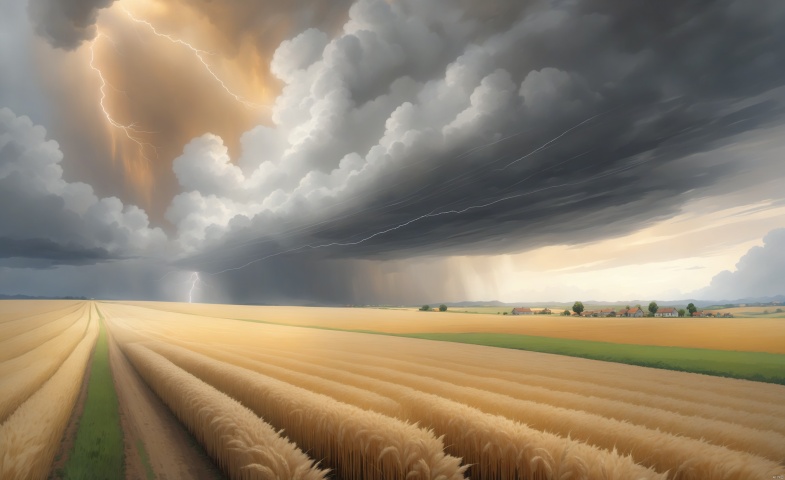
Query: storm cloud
[(398, 133), (66, 23), (406, 135), (51, 221)]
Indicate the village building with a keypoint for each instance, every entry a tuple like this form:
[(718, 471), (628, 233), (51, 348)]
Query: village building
[(667, 312), (635, 312), (522, 311)]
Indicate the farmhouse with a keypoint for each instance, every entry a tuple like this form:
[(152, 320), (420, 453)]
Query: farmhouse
[(634, 312), (522, 311), (667, 312)]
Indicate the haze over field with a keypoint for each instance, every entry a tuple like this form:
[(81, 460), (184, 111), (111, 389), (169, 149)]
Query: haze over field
[(402, 152)]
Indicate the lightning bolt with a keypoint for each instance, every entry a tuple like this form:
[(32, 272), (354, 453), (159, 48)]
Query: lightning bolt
[(199, 54), (194, 279), (129, 130)]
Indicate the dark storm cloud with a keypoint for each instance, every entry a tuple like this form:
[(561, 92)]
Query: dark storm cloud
[(45, 220), (665, 82), (52, 252), (66, 23)]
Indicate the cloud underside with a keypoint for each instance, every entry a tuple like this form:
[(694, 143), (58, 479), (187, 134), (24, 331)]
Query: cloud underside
[(420, 130)]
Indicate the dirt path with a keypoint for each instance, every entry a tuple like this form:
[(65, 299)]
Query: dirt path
[(171, 451), (67, 443)]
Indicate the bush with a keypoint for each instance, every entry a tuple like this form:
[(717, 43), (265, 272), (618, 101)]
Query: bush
[(442, 308), (425, 308)]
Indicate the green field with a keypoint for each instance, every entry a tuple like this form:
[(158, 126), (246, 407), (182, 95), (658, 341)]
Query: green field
[(763, 367), (98, 451)]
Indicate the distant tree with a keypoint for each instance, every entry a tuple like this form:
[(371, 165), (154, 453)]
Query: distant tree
[(682, 312), (653, 307), (577, 307), (505, 313), (425, 308), (442, 308), (612, 314), (545, 311), (692, 308), (627, 307), (765, 312), (566, 313), (779, 310)]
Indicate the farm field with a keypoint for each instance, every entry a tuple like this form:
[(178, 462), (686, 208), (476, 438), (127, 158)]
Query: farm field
[(740, 334), (202, 396)]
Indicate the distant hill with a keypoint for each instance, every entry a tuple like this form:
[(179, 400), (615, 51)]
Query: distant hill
[(29, 297)]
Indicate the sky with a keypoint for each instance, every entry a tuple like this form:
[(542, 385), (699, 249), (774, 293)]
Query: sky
[(392, 152)]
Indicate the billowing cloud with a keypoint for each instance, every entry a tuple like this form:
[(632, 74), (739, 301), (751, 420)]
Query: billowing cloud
[(399, 130), (401, 135), (66, 23), (48, 220), (759, 273)]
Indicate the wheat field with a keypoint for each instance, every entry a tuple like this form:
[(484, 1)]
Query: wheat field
[(506, 414), (276, 401), (43, 402), (762, 334)]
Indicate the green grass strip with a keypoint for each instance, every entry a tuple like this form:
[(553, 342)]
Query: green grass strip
[(98, 451), (148, 468), (758, 366)]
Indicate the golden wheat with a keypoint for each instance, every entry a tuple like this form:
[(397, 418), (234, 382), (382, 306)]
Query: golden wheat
[(357, 443), (11, 329), (242, 444), (672, 452), (693, 426), (23, 375), (492, 444), (23, 342), (761, 442), (31, 436)]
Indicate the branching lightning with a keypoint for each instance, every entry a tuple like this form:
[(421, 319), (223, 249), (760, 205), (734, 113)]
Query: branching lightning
[(130, 130), (199, 54), (194, 279)]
